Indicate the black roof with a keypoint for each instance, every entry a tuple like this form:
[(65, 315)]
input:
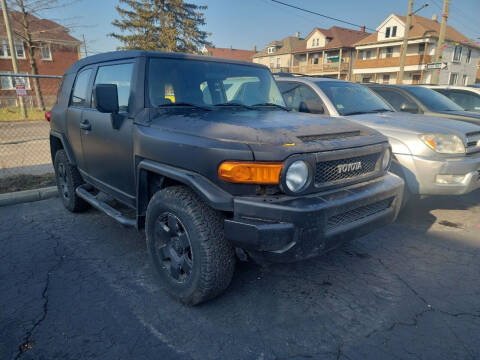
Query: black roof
[(129, 54)]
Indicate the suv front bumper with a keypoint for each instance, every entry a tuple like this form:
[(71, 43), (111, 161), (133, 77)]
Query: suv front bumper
[(422, 174), (285, 228)]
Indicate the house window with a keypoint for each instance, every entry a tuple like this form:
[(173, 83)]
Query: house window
[(366, 54), (7, 82), (453, 79), (366, 79), (394, 31), (386, 79), (20, 52), (389, 52), (457, 54), (315, 59), (421, 48), (45, 52), (271, 49), (465, 80), (387, 32), (5, 49), (272, 63), (278, 62), (469, 55), (416, 79)]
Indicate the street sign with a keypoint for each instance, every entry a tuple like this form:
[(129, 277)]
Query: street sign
[(21, 90), (437, 65)]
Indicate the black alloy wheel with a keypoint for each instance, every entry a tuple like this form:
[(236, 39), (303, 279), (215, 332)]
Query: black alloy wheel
[(173, 247)]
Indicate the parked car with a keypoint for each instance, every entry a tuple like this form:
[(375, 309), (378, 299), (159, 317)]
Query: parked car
[(468, 98), (435, 156), (212, 173), (416, 99)]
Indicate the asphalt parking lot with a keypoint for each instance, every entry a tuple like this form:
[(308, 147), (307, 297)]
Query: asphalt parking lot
[(81, 287)]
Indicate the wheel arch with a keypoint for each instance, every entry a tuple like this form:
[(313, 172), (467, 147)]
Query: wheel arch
[(153, 176), (58, 142)]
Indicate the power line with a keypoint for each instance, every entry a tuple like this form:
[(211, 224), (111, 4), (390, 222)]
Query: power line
[(322, 15)]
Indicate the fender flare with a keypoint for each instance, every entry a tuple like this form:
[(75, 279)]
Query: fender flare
[(66, 146), (212, 194)]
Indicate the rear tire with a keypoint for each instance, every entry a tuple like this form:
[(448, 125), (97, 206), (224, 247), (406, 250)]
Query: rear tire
[(68, 179), (186, 244)]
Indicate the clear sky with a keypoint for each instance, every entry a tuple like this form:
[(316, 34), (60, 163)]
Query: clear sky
[(245, 23)]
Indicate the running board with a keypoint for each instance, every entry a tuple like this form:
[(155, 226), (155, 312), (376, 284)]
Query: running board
[(83, 193)]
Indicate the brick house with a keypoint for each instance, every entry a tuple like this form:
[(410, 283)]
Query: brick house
[(378, 55), (324, 52), (229, 53), (55, 50)]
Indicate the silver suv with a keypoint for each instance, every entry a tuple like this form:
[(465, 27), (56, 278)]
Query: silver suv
[(435, 156)]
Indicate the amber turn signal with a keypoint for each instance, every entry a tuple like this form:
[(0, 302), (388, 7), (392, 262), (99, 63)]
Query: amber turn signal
[(250, 172)]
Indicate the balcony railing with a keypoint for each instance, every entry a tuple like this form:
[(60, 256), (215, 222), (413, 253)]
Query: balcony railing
[(277, 69), (392, 61), (319, 68)]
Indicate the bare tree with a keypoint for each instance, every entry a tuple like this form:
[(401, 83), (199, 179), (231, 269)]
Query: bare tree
[(30, 37)]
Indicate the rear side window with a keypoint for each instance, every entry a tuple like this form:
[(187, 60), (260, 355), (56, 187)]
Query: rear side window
[(120, 75), (79, 95), (396, 99), (467, 100)]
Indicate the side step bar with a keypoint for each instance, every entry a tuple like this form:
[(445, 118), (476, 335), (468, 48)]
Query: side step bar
[(83, 193)]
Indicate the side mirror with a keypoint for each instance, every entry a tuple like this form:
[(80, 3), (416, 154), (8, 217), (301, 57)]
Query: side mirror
[(106, 101), (406, 108), (106, 98), (312, 107)]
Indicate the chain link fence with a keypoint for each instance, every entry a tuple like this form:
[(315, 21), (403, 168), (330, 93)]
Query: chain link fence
[(24, 134)]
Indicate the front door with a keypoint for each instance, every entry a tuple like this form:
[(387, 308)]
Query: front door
[(79, 101), (108, 151)]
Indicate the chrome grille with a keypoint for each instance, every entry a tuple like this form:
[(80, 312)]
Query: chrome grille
[(328, 171), (359, 213), (473, 142)]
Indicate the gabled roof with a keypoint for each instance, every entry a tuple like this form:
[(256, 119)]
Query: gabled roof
[(285, 46), (41, 29), (229, 53), (422, 27), (340, 38)]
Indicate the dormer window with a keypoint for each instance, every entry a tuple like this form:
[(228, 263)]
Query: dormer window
[(394, 31), (271, 49)]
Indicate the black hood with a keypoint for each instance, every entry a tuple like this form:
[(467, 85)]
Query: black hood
[(268, 131)]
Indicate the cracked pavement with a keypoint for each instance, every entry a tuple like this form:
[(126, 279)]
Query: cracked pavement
[(81, 287)]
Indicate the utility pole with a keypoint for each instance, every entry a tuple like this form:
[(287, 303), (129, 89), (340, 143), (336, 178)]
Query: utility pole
[(441, 41), (403, 54), (85, 45), (13, 53)]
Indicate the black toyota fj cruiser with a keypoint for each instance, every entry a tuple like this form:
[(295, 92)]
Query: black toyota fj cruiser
[(202, 153)]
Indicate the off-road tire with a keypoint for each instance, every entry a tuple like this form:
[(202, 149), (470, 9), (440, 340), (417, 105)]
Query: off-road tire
[(213, 256), (68, 179)]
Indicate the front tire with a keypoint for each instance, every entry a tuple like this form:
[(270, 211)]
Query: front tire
[(68, 179), (186, 244)]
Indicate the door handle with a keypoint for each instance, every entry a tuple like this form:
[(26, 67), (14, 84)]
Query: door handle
[(85, 125)]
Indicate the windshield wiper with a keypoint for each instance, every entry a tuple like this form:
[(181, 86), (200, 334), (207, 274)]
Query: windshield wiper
[(272, 104), (367, 112), (186, 104), (234, 104)]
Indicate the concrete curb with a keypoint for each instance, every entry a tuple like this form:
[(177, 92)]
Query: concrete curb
[(19, 197)]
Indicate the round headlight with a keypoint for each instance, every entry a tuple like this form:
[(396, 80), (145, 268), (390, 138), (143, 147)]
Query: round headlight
[(386, 159), (297, 175)]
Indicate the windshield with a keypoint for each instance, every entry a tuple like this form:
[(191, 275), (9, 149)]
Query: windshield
[(432, 99), (349, 98), (206, 84)]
